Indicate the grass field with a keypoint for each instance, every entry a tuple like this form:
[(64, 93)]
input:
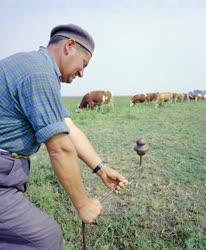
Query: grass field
[(165, 206)]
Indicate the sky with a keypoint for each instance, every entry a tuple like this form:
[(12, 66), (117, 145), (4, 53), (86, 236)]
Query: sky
[(141, 46)]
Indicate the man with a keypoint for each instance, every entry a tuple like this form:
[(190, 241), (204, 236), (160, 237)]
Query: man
[(31, 113)]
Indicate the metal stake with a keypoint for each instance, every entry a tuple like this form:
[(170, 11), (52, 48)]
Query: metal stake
[(141, 148), (140, 162), (83, 236)]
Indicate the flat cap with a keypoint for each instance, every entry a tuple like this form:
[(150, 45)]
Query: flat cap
[(75, 32)]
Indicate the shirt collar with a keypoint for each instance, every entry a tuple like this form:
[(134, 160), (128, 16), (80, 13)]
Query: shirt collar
[(46, 52)]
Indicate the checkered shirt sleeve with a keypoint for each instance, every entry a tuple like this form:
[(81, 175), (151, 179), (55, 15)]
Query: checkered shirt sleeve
[(40, 100)]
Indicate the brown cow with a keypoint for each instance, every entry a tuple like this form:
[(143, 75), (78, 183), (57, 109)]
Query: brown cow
[(138, 99), (186, 97), (178, 97), (163, 97), (152, 96), (95, 99)]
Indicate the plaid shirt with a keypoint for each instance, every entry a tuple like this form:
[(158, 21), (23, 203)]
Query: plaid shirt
[(31, 110)]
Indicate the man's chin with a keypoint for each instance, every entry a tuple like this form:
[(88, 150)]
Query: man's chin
[(68, 81)]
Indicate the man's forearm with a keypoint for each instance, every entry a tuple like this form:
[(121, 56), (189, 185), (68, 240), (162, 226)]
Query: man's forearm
[(65, 164), (111, 178), (83, 147)]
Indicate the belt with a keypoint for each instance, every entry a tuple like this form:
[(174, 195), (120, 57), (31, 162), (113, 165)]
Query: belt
[(15, 155)]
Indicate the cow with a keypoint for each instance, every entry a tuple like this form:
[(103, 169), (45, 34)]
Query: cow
[(152, 96), (95, 99), (163, 97), (178, 97), (200, 97), (192, 97), (195, 97), (186, 97), (204, 97), (138, 99)]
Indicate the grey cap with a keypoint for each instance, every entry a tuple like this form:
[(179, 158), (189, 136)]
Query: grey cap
[(75, 32)]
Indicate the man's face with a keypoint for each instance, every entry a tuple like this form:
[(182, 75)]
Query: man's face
[(74, 62)]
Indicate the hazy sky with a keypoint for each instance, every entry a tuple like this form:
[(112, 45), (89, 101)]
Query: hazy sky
[(141, 46)]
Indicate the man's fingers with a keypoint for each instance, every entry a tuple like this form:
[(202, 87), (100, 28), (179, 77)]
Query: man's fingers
[(122, 180), (121, 184)]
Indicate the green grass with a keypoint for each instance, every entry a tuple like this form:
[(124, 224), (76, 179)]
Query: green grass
[(165, 206)]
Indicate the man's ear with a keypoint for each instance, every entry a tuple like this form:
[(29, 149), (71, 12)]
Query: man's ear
[(69, 45)]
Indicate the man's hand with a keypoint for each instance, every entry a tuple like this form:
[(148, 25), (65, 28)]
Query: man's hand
[(90, 211), (112, 179)]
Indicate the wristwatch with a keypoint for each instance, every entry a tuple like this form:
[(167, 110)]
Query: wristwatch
[(98, 166)]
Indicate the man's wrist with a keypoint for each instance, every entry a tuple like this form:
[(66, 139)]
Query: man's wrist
[(98, 166)]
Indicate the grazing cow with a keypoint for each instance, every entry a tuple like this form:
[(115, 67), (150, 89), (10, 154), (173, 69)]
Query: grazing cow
[(163, 97), (200, 97), (204, 96), (192, 97), (186, 97), (178, 97), (95, 99), (138, 99), (174, 97), (152, 96), (195, 97)]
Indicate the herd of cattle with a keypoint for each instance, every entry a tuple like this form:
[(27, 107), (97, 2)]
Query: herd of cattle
[(98, 98), (170, 97)]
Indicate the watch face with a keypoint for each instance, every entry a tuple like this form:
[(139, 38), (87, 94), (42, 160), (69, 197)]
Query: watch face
[(98, 166)]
